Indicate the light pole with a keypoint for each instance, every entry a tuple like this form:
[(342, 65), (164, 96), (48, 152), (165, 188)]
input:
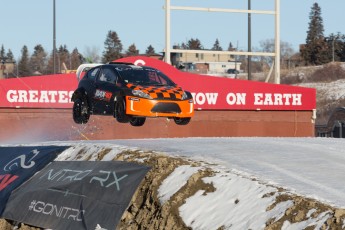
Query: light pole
[(54, 38), (334, 38), (167, 31), (249, 41)]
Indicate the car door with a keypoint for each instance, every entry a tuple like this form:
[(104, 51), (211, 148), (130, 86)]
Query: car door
[(105, 90), (88, 85)]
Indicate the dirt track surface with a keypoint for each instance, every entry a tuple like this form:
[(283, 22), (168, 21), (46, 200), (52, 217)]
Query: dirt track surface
[(147, 212)]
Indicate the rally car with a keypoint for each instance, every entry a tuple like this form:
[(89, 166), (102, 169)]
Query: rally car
[(131, 94)]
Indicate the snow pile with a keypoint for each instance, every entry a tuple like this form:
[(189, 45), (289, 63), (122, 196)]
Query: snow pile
[(236, 202), (175, 181), (229, 183)]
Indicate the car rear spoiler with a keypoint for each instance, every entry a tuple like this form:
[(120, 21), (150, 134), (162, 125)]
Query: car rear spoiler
[(85, 67), (123, 63)]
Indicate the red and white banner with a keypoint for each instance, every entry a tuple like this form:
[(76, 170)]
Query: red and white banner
[(209, 93), (50, 91)]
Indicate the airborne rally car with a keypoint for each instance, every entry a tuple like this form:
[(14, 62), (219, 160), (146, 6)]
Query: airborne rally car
[(130, 93)]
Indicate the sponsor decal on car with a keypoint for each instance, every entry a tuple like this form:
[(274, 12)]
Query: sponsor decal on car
[(103, 95)]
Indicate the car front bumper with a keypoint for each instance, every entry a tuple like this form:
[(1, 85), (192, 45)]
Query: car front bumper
[(143, 107)]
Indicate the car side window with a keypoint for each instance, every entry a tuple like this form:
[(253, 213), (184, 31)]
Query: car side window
[(108, 75), (92, 74)]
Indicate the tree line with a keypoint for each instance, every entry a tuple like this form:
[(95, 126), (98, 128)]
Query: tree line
[(42, 63), (318, 49)]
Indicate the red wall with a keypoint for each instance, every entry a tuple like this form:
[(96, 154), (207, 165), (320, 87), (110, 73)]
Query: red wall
[(210, 93)]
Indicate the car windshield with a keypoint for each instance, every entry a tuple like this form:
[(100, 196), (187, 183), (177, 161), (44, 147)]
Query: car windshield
[(144, 76)]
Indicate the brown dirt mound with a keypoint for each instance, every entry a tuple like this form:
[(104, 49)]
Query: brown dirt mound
[(146, 211)]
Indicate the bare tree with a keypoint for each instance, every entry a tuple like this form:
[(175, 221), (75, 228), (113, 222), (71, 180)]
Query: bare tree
[(77, 59), (268, 45), (91, 54)]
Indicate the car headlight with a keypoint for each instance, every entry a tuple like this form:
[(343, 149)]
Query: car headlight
[(184, 96), (140, 93)]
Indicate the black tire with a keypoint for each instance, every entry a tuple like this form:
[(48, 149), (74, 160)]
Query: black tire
[(182, 120), (81, 112), (138, 121), (120, 112)]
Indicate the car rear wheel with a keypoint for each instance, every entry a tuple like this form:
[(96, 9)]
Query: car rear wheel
[(120, 112), (182, 120), (81, 112), (137, 121)]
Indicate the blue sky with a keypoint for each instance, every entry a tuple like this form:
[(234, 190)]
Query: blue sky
[(84, 23)]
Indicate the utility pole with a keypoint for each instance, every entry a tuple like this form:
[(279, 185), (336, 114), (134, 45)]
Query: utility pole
[(334, 39), (277, 43), (167, 32), (249, 41)]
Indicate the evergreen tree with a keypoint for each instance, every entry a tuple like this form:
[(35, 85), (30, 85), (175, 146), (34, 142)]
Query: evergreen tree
[(63, 58), (38, 59), (315, 50), (231, 47), (2, 52), (184, 46), (10, 56), (341, 51), (336, 49), (132, 50), (112, 47), (194, 44), (23, 65), (316, 29), (150, 50), (216, 46)]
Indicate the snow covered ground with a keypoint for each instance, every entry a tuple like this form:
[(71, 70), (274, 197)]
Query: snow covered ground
[(328, 90), (314, 167), (247, 170)]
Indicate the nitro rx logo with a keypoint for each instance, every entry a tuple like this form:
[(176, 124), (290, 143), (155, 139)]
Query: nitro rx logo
[(103, 178)]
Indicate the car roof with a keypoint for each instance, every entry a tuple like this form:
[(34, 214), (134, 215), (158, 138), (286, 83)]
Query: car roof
[(128, 65), (124, 65)]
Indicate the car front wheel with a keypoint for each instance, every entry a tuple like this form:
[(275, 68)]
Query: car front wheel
[(120, 112), (182, 120), (81, 113)]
